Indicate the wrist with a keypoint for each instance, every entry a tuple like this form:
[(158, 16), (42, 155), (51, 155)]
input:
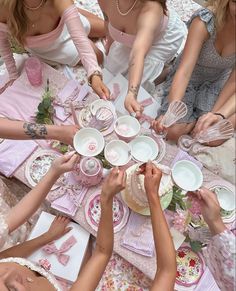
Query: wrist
[(219, 115), (106, 199), (54, 131), (217, 226), (95, 74), (53, 174)]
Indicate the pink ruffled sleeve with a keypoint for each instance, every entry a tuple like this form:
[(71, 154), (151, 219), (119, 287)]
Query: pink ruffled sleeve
[(75, 27), (6, 52), (220, 258)]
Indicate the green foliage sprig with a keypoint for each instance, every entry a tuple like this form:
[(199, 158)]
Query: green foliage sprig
[(46, 110), (178, 200), (105, 163)]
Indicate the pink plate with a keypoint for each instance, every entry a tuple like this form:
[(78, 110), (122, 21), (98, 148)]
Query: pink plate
[(93, 212)]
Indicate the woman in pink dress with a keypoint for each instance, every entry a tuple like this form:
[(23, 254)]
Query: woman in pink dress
[(54, 31)]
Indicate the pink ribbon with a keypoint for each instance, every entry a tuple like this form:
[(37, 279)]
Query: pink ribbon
[(52, 249), (144, 118)]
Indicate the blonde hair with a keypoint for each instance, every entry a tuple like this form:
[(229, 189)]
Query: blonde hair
[(220, 8), (17, 19)]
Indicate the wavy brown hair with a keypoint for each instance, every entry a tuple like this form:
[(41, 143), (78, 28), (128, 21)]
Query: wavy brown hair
[(162, 2), (220, 8), (17, 19)]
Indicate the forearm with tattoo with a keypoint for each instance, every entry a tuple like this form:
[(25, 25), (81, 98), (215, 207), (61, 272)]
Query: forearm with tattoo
[(35, 131), (134, 90)]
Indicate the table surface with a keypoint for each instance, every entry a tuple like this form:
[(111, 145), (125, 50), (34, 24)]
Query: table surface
[(146, 264)]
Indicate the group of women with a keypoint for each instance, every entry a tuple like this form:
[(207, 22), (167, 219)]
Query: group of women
[(146, 42)]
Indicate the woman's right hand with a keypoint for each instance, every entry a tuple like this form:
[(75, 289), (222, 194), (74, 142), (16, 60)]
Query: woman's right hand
[(152, 180), (157, 125), (132, 105), (58, 228), (114, 183), (205, 121), (64, 163)]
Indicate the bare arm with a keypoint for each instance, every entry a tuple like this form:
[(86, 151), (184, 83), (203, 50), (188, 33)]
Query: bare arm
[(11, 129), (197, 35), (57, 229), (104, 245), (147, 25), (165, 252), (30, 203), (228, 90)]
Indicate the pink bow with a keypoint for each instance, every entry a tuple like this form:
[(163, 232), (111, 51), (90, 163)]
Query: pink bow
[(52, 249), (144, 118)]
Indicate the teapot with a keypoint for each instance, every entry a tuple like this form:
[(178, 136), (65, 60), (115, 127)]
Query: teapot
[(89, 171)]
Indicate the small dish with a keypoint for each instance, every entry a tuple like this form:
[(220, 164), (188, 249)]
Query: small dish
[(187, 175), (144, 148), (117, 153), (38, 165), (88, 142), (225, 197), (93, 212), (127, 128)]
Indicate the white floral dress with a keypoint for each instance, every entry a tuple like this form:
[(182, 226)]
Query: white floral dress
[(220, 257)]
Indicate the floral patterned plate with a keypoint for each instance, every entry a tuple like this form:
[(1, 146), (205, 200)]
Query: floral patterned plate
[(93, 212), (190, 267), (38, 165)]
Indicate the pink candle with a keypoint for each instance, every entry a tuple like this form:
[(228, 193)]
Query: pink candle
[(33, 68)]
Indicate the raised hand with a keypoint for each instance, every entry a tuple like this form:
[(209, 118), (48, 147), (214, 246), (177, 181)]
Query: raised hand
[(64, 163), (114, 183)]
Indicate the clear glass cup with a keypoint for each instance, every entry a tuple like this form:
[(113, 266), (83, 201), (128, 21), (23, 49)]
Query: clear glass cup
[(33, 68)]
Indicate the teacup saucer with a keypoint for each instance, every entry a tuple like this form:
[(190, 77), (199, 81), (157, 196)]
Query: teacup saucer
[(95, 105)]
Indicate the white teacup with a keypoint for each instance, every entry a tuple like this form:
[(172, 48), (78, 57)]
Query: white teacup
[(117, 153), (187, 175), (127, 128), (88, 142)]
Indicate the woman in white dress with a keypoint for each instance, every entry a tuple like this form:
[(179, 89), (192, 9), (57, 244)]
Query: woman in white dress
[(144, 37)]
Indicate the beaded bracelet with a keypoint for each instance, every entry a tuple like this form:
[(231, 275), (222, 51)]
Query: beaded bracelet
[(217, 113), (95, 73)]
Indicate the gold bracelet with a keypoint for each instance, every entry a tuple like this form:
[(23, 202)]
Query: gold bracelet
[(95, 73)]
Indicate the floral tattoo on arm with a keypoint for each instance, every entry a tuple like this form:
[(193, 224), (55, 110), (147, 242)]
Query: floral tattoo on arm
[(35, 131), (134, 90)]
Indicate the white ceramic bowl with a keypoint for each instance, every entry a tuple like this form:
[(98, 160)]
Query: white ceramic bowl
[(127, 127), (144, 148), (88, 142), (187, 175), (117, 153), (225, 197)]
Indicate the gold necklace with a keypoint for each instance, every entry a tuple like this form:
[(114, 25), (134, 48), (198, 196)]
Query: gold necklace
[(33, 8), (128, 11)]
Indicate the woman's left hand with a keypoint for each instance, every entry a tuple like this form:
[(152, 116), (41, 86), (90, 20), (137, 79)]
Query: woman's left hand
[(65, 163), (100, 88), (58, 228)]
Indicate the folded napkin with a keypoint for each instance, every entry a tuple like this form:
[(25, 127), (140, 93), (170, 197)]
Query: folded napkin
[(69, 202), (13, 153), (207, 282), (181, 155), (138, 236)]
